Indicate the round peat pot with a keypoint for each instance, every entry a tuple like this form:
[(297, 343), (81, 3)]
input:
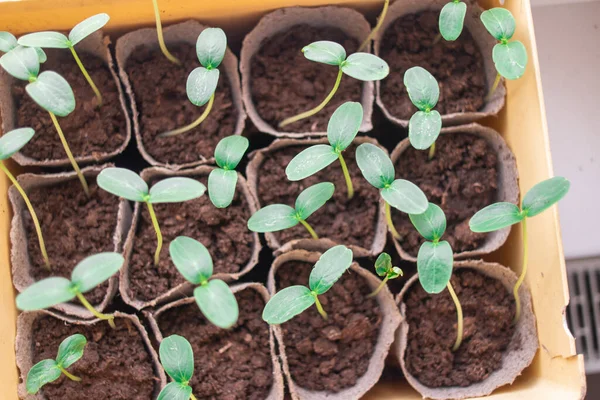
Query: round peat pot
[(279, 82), (157, 91), (494, 351), (340, 358), (464, 68), (473, 167), (94, 134)]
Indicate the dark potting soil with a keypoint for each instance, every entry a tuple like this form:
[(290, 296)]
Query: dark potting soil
[(342, 220), (461, 178), (89, 130), (74, 227), (457, 66), (330, 355), (115, 363), (488, 310), (163, 105), (223, 231), (285, 83), (231, 363)]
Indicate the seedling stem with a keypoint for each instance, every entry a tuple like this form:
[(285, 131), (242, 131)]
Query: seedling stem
[(193, 124), (319, 306), (494, 87), (459, 314), (346, 176), (87, 76), (309, 229), (380, 20), (161, 40), (106, 317), (431, 151), (68, 374), (192, 397), (159, 238), (388, 218), (381, 286), (523, 272)]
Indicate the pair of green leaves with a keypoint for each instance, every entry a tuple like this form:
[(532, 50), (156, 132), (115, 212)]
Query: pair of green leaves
[(88, 274), (539, 198), (384, 267), (69, 351), (177, 358), (13, 141), (202, 81), (510, 58), (425, 125), (293, 300), (215, 299), (223, 180), (452, 19), (9, 42)]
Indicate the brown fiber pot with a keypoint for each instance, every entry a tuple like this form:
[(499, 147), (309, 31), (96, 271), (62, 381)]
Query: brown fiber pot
[(514, 361), (19, 255), (186, 32), (484, 40), (391, 320), (96, 45), (508, 184), (277, 390), (185, 288), (351, 22), (253, 172), (24, 347)]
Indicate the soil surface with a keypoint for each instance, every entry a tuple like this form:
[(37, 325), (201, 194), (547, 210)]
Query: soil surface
[(74, 227), (230, 363), (457, 66), (163, 105), (488, 309), (330, 355), (461, 178), (89, 130), (342, 220), (115, 363), (223, 231), (284, 83)]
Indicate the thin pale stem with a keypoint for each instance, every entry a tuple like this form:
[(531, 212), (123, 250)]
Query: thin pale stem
[(34, 217), (347, 176), (437, 38), (192, 397), (523, 272), (459, 313), (432, 151), (380, 20), (309, 229), (70, 155), (69, 375), (106, 317), (320, 308), (381, 286), (388, 218), (193, 124), (318, 108), (161, 40), (494, 87), (87, 76), (159, 238)]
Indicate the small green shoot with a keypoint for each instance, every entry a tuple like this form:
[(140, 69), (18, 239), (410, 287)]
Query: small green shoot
[(69, 351), (202, 81), (9, 42), (215, 299), (277, 217), (222, 181), (452, 19), (384, 267), (89, 273), (501, 215), (361, 66), (129, 185), (341, 131), (380, 19), (293, 300), (177, 358), (161, 39)]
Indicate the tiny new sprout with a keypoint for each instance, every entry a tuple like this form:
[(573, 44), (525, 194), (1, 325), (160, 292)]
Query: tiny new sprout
[(277, 217), (216, 301), (177, 359), (223, 180), (88, 274), (378, 170), (202, 81), (56, 40), (161, 39), (501, 215), (341, 131), (380, 19), (8, 42), (361, 66), (452, 19), (293, 300), (425, 125), (384, 267), (10, 143), (129, 185), (69, 351)]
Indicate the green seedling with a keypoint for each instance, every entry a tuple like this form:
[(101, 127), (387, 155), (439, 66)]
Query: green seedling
[(161, 39), (384, 267), (380, 19), (378, 170), (341, 131), (202, 81), (361, 66), (215, 299), (222, 181), (88, 274), (69, 352), (425, 125), (177, 359), (452, 19), (277, 217), (129, 185), (10, 143), (293, 300), (510, 56), (501, 215), (48, 89), (56, 40), (8, 42)]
